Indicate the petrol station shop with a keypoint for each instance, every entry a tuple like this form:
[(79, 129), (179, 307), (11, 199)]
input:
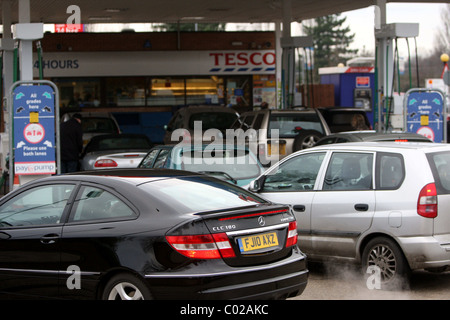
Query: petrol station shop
[(142, 78)]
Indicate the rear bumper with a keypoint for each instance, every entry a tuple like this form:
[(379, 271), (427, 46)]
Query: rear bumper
[(282, 279), (426, 252)]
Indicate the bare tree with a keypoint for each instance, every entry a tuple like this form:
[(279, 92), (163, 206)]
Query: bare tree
[(443, 35)]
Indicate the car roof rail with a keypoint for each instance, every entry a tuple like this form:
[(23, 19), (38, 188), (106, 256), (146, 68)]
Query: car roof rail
[(300, 108)]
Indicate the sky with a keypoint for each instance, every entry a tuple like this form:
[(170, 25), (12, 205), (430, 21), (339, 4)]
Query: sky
[(361, 22)]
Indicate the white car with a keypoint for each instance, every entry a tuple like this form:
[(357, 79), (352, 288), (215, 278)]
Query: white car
[(125, 150), (385, 205)]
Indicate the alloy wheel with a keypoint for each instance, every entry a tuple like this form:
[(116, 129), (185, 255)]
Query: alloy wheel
[(309, 142), (125, 291), (384, 258)]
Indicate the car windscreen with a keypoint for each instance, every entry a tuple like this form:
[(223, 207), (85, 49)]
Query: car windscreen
[(98, 125), (213, 120), (346, 121), (440, 166), (199, 194), (288, 125), (237, 163)]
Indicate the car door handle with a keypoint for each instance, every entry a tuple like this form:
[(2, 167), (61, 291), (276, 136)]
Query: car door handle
[(361, 207), (299, 208), (50, 238)]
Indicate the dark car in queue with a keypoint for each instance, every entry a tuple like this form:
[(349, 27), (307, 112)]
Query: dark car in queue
[(146, 234)]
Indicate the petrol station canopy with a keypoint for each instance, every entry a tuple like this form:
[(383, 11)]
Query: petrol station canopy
[(170, 11)]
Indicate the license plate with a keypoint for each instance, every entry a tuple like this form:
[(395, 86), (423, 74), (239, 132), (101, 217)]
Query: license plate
[(256, 242)]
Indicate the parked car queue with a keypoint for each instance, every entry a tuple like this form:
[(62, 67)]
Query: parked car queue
[(294, 130), (273, 134), (364, 183)]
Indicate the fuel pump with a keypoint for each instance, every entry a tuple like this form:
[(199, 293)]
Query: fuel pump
[(288, 80), (363, 98), (385, 34)]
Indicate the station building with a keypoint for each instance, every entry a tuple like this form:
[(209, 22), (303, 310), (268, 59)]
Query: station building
[(142, 78)]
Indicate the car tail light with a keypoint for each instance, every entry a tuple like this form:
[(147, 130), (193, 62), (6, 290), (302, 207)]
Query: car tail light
[(292, 234), (261, 150), (427, 202), (204, 246), (105, 163), (223, 244), (131, 155)]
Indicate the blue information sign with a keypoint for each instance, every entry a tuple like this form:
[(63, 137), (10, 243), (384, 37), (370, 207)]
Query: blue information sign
[(425, 114), (34, 130)]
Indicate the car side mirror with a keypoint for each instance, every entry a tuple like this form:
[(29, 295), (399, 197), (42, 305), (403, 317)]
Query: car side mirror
[(257, 185)]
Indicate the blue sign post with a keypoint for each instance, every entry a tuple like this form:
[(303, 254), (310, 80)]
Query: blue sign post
[(426, 114), (34, 130), (34, 134)]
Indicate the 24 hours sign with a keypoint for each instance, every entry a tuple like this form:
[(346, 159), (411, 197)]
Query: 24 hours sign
[(34, 130)]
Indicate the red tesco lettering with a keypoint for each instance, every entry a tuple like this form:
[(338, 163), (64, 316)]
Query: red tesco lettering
[(243, 58)]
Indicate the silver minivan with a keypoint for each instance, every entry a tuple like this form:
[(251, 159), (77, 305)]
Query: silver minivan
[(385, 205)]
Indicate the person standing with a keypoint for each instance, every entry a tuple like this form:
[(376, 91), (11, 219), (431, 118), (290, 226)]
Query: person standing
[(71, 143)]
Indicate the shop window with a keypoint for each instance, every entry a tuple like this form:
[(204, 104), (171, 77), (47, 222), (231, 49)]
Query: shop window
[(154, 91), (125, 91), (78, 92), (264, 90), (166, 92), (208, 90), (238, 92)]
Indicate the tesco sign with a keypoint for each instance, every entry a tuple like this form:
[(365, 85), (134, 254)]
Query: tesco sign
[(243, 58), (156, 63)]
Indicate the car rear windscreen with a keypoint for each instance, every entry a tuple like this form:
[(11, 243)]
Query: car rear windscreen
[(200, 194), (100, 125), (288, 125), (213, 120), (239, 164), (440, 166)]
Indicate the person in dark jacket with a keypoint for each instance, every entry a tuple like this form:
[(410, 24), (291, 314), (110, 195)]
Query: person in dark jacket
[(71, 138)]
